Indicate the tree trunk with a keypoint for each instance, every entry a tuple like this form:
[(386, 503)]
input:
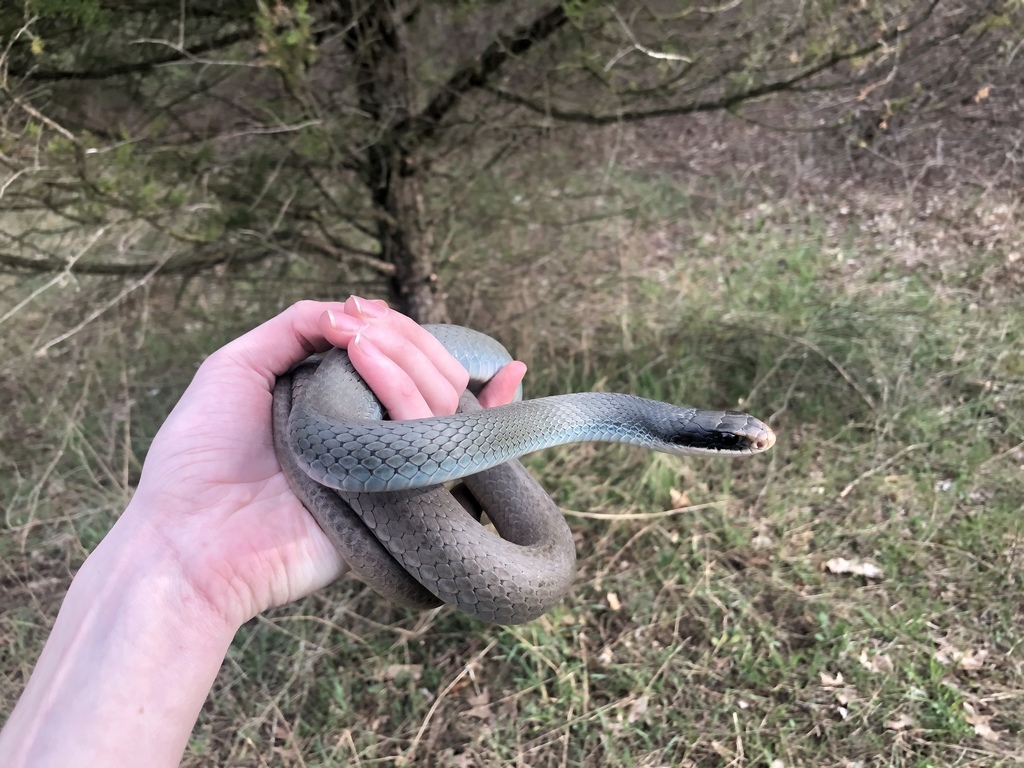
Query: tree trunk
[(408, 243), (390, 170)]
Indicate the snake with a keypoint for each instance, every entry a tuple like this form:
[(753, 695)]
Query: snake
[(377, 487)]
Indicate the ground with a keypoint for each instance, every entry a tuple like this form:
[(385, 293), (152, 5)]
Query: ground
[(851, 598)]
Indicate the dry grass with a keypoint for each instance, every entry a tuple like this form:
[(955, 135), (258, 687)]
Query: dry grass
[(880, 331)]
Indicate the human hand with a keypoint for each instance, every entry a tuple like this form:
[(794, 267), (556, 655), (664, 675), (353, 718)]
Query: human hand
[(212, 536), (212, 489)]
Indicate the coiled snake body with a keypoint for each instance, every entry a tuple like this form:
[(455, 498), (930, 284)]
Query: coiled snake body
[(374, 486)]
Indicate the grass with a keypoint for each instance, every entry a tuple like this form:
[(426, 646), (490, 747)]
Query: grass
[(706, 627)]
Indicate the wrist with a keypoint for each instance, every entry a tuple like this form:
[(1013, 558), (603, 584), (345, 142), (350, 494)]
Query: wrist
[(165, 555), (236, 554), (133, 645), (150, 571)]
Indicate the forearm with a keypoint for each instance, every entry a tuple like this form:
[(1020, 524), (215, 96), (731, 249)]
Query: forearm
[(127, 666)]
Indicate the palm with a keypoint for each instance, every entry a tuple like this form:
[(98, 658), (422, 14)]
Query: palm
[(245, 529)]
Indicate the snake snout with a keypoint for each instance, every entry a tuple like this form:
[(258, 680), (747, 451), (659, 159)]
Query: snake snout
[(751, 435), (764, 440)]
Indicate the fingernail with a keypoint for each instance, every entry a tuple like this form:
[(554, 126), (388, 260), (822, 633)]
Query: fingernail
[(347, 323), (331, 320), (370, 308), (366, 346)]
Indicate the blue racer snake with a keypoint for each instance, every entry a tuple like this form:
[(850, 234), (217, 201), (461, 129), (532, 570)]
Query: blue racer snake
[(375, 488)]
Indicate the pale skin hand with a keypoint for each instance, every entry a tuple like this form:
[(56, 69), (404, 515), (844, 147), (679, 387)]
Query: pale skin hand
[(212, 537)]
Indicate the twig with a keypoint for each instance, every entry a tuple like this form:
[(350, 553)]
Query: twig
[(101, 309), (53, 124), (55, 279), (875, 470), (600, 576), (998, 456), (637, 46), (640, 515), (835, 364), (406, 759)]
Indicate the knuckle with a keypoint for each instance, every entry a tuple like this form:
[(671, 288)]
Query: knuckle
[(304, 306), (449, 403)]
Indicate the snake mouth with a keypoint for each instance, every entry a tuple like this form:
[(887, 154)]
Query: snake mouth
[(723, 433), (730, 442)]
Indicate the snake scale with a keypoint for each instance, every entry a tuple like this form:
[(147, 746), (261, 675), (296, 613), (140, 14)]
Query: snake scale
[(375, 487)]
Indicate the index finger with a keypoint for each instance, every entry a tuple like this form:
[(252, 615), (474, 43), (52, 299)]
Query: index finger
[(273, 347), (403, 329)]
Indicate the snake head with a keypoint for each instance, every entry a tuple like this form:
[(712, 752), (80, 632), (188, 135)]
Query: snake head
[(720, 432)]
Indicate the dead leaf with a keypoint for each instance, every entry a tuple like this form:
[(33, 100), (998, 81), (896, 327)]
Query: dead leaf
[(801, 540), (831, 682), (723, 750), (969, 661), (879, 663), (982, 94), (900, 723), (638, 709), (678, 499), (980, 723), (840, 565), (479, 706), (613, 601), (395, 671), (973, 660)]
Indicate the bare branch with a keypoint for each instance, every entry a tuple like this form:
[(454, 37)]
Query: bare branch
[(356, 255), (725, 102), (134, 68), (68, 267), (170, 266), (476, 73)]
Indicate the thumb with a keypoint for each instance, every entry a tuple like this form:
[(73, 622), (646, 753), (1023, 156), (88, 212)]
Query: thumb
[(502, 388)]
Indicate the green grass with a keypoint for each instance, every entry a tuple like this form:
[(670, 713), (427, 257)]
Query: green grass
[(711, 635)]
